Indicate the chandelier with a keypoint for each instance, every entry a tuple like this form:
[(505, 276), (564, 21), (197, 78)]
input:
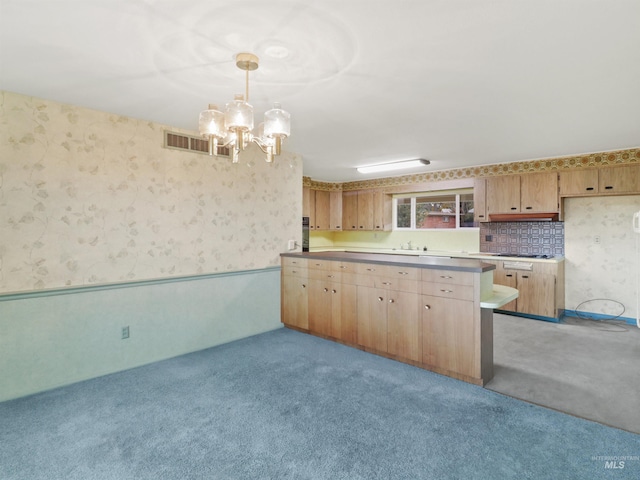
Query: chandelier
[(233, 127)]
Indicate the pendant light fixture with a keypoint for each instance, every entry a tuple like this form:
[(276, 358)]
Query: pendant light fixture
[(233, 127)]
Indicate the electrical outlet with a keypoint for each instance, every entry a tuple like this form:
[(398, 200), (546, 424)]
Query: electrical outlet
[(125, 332)]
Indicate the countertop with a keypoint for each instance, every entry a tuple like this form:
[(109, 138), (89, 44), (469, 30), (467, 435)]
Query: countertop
[(435, 254), (420, 261)]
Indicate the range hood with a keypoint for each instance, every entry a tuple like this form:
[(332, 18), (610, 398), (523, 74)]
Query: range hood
[(524, 217)]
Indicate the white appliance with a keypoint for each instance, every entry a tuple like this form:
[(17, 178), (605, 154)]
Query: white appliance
[(636, 228)]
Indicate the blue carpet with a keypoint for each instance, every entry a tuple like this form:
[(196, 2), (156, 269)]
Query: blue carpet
[(285, 405)]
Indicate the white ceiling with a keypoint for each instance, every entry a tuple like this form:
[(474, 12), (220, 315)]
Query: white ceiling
[(459, 82)]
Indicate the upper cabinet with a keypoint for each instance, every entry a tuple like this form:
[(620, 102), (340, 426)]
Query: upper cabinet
[(615, 180), (366, 210), (528, 193), (323, 208), (480, 200)]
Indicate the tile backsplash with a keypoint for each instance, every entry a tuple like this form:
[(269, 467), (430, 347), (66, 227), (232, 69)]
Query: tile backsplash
[(523, 238)]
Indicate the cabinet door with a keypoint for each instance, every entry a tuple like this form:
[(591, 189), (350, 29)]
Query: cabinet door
[(294, 301), (344, 320), (503, 194), (578, 182), (365, 210), (448, 335), (320, 309), (403, 324), (335, 211), (537, 294), (350, 210), (539, 192), (306, 192), (624, 179), (322, 210), (312, 209), (381, 211), (508, 278), (372, 318), (480, 200)]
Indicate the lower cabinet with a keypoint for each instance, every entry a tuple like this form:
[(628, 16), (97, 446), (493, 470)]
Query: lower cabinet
[(541, 289), (427, 317), (295, 300), (332, 309), (448, 334), (389, 322)]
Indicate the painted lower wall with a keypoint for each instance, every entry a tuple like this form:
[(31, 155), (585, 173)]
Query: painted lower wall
[(56, 338)]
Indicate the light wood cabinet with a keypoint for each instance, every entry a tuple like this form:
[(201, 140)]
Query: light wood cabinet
[(449, 336), (578, 182), (294, 293), (381, 211), (541, 289), (529, 193), (323, 208), (365, 210), (619, 180), (614, 180), (335, 211), (424, 316), (350, 210), (480, 200)]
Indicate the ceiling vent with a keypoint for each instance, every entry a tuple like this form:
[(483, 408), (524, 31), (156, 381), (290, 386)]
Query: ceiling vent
[(191, 143)]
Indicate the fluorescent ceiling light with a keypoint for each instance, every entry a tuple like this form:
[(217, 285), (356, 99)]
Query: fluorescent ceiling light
[(388, 167)]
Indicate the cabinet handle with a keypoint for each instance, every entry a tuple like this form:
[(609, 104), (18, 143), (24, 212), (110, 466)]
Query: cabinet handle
[(342, 266), (380, 299), (333, 291), (371, 269), (525, 276), (480, 216), (427, 307), (304, 286), (590, 188), (514, 208), (445, 276), (391, 300), (509, 275), (337, 226), (294, 271), (330, 276), (386, 283), (528, 208), (326, 290), (403, 273), (361, 226), (608, 187), (446, 291)]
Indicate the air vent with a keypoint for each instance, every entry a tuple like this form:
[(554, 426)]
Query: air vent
[(180, 141)]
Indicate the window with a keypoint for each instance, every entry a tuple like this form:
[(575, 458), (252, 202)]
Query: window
[(433, 210)]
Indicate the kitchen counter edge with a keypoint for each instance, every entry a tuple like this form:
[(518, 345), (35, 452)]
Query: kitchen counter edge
[(459, 264)]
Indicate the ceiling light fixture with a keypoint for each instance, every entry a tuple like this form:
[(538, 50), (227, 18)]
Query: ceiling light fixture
[(388, 167), (233, 127)]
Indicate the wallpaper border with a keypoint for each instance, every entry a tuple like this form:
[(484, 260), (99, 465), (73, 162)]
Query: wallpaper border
[(591, 160)]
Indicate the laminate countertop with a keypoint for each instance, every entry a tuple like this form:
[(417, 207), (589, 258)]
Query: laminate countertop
[(420, 261)]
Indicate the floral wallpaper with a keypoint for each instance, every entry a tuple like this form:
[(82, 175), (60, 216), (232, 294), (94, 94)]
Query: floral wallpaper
[(602, 255), (87, 197)]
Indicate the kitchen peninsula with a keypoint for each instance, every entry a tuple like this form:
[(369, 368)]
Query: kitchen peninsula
[(434, 313)]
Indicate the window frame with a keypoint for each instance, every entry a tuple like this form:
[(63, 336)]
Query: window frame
[(455, 194)]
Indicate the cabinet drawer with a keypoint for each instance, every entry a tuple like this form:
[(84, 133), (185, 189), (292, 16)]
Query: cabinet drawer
[(317, 274), (315, 264), (461, 292), (447, 276), (369, 269), (294, 262), (397, 284), (294, 271), (404, 273)]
